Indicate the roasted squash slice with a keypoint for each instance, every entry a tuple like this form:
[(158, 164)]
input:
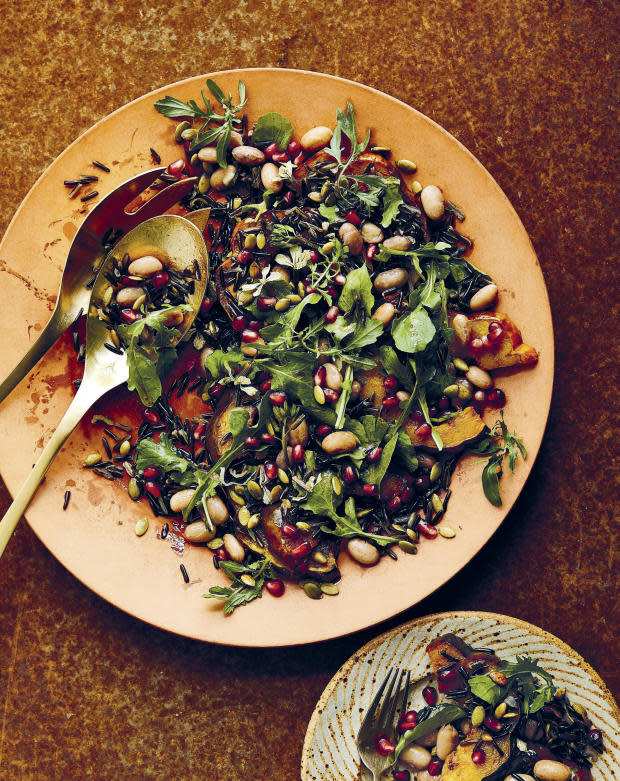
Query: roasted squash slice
[(457, 432), (509, 351), (459, 765)]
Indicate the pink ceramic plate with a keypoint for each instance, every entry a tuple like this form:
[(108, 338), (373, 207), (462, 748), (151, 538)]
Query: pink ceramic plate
[(94, 538)]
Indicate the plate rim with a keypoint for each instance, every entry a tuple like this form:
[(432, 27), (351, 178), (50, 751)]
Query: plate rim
[(375, 642), (533, 447)]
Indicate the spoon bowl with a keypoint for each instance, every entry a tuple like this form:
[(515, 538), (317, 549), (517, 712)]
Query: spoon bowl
[(178, 243)]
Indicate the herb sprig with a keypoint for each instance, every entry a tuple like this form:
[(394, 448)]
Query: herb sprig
[(498, 444), (242, 591)]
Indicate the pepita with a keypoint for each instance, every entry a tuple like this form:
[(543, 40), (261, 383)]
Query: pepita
[(282, 305), (319, 396), (406, 166), (460, 364), (250, 241), (500, 710), (293, 298), (407, 547), (437, 503), (416, 186), (477, 716), (255, 490), (337, 485), (276, 493), (179, 129), (92, 459), (215, 543), (435, 472), (319, 557), (313, 590), (301, 289), (331, 589), (237, 203), (261, 240), (247, 580), (133, 489), (303, 526), (141, 527), (283, 476), (237, 499), (412, 534), (254, 521), (452, 391), (446, 531), (244, 515), (124, 448), (328, 247), (189, 134)]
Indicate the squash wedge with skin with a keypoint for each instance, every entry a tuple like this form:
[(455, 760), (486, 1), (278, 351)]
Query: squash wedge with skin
[(510, 351), (218, 438), (457, 432), (459, 765)]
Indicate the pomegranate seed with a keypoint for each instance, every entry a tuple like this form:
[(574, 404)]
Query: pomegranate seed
[(191, 366), (278, 398), (409, 720), (340, 279), (239, 323), (374, 454), (220, 555), (153, 489), (160, 279), (390, 383), (492, 723), (389, 402), (394, 503), (270, 150), (331, 395), (271, 471), (293, 148), (332, 313), (176, 168), (275, 587), (301, 550), (478, 756), (423, 431), (353, 217), (362, 187), (216, 390), (370, 489), (129, 316), (298, 454), (432, 412), (319, 376), (422, 483), (401, 775), (301, 157), (371, 251), (430, 695), (496, 397), (151, 473), (280, 157), (288, 530), (596, 736), (252, 442), (434, 766), (323, 430), (417, 416), (331, 291), (248, 335), (266, 302), (348, 474), (495, 336), (406, 494), (314, 256), (288, 198), (255, 325), (426, 530), (265, 386), (383, 745), (151, 417), (199, 430), (245, 256), (446, 675), (128, 282), (444, 403)]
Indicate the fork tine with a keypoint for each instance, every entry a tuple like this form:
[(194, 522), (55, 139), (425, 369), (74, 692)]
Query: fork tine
[(389, 722), (403, 704), (371, 712), (385, 719)]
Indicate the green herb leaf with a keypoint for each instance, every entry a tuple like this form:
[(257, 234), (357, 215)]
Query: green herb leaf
[(499, 443), (392, 201), (441, 714), (240, 594), (491, 475), (330, 213), (376, 472), (272, 127), (173, 107), (364, 335), (529, 673), (391, 364), (223, 362), (358, 287), (162, 455), (413, 332)]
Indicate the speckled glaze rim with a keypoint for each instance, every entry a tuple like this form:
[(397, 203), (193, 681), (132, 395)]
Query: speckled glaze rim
[(164, 601), (421, 631)]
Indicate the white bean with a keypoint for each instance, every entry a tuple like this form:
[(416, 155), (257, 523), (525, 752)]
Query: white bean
[(371, 233), (432, 201), (351, 238), (479, 377), (393, 278), (462, 328), (416, 756), (127, 296), (233, 548), (222, 178), (316, 138), (145, 266), (248, 155), (384, 313), (522, 776), (172, 318), (339, 442), (483, 298), (429, 739), (181, 499), (363, 552), (401, 243), (549, 770), (299, 435), (333, 378), (197, 533), (208, 154), (447, 740), (270, 177), (236, 139), (218, 512)]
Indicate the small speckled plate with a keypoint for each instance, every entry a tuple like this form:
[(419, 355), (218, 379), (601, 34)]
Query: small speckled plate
[(94, 537), (329, 752)]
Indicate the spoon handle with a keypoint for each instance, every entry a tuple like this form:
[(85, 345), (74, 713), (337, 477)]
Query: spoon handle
[(82, 401), (50, 333)]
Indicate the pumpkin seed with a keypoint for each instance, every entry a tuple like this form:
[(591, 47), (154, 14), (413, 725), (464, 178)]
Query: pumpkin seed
[(248, 580), (446, 531), (337, 485), (331, 589), (319, 396), (254, 489), (460, 364), (412, 534), (283, 477), (328, 247), (204, 184), (244, 297), (398, 527), (244, 515), (133, 489), (179, 129), (406, 166), (124, 448), (237, 202), (237, 499), (293, 298), (282, 305), (276, 493), (407, 547), (254, 521), (92, 459), (313, 590), (189, 134), (250, 241), (303, 526), (451, 391), (416, 186), (500, 710), (215, 543), (437, 503), (464, 393), (141, 527), (319, 557), (107, 295), (435, 472), (301, 289), (315, 196), (381, 150), (261, 240), (477, 716)]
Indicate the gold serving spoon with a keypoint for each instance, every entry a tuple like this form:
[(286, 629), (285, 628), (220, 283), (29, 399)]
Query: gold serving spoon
[(180, 241)]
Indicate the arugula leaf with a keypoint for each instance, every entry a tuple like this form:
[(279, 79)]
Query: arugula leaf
[(406, 451), (220, 362), (392, 201), (330, 213), (357, 287), (323, 500), (441, 714), (413, 332), (364, 334), (376, 472), (272, 127), (281, 332), (391, 364), (529, 672), (222, 132), (346, 126), (162, 454), (148, 364), (240, 593)]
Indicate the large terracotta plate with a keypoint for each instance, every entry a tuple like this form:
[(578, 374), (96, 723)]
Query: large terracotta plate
[(94, 538), (329, 752)]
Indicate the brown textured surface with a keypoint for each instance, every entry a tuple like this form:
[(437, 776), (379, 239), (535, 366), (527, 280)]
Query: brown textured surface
[(531, 89)]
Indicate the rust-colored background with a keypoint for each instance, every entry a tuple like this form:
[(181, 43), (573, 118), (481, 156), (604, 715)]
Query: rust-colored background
[(531, 89)]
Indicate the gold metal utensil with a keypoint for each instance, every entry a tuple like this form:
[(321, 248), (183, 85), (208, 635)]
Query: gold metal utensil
[(86, 253), (183, 245)]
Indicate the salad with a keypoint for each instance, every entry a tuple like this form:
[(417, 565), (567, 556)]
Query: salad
[(498, 720), (344, 354)]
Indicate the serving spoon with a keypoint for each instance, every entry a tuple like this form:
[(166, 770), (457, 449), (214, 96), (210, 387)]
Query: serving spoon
[(180, 241)]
